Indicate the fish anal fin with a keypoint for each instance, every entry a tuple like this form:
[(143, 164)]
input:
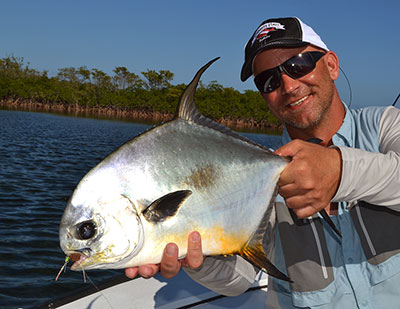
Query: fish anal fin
[(166, 206), (256, 256), (254, 252)]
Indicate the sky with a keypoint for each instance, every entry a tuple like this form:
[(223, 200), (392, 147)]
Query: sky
[(182, 35)]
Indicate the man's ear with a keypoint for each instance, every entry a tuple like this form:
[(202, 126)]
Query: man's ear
[(332, 64)]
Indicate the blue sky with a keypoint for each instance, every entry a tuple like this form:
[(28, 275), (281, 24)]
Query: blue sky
[(181, 36)]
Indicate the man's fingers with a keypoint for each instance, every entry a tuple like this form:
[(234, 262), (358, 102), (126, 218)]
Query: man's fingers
[(194, 258), (148, 271), (170, 265), (289, 190), (131, 272), (305, 212)]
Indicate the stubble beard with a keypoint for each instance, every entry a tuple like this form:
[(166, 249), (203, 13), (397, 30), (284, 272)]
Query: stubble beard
[(310, 122), (317, 113)]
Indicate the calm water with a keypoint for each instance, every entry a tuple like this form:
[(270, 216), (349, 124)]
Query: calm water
[(42, 158)]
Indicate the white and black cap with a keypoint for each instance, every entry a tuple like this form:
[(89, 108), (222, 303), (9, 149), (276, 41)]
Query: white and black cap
[(276, 33)]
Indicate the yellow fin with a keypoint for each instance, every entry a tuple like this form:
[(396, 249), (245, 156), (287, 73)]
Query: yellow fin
[(256, 256)]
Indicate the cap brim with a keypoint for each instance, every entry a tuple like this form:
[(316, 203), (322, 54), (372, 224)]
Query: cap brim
[(247, 69)]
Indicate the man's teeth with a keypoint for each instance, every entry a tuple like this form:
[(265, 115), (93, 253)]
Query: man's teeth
[(298, 102)]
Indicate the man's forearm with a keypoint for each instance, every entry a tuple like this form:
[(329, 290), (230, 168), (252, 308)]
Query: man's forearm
[(231, 275), (374, 177)]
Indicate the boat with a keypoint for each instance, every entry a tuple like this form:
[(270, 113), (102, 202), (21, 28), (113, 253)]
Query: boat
[(158, 292)]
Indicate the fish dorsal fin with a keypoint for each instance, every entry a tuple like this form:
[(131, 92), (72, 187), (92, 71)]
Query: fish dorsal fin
[(166, 206), (254, 252), (186, 108)]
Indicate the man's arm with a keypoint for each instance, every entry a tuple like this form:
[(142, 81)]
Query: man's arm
[(374, 177), (231, 275), (318, 175), (312, 177)]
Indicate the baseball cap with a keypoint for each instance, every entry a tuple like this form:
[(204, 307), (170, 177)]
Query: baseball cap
[(276, 33)]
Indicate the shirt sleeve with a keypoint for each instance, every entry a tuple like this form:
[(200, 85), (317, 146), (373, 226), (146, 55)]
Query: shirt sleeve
[(230, 276), (374, 177)]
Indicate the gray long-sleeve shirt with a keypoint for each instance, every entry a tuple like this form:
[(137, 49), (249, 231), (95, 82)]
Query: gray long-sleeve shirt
[(369, 141)]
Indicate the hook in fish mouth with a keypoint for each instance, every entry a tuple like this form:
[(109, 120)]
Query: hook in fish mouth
[(79, 256)]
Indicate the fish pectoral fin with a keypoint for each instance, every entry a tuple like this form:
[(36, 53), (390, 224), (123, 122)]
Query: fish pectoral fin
[(256, 256), (166, 206)]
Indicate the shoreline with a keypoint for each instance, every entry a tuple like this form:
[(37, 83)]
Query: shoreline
[(115, 112)]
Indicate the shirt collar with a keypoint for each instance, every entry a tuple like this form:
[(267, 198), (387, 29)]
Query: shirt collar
[(343, 137)]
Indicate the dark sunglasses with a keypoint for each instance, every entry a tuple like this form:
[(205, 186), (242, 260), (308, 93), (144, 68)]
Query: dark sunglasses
[(295, 67)]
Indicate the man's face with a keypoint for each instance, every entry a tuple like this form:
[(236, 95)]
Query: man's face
[(303, 102)]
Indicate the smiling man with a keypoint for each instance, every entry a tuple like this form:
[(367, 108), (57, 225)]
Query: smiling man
[(354, 174)]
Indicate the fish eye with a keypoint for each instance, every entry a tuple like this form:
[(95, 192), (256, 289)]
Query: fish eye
[(86, 230)]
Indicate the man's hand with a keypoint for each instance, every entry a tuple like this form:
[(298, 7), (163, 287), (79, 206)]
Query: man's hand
[(170, 265), (311, 179)]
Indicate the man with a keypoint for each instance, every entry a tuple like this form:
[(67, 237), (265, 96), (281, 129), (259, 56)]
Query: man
[(354, 174)]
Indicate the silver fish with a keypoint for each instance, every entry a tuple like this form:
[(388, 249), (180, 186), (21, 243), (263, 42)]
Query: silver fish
[(187, 174)]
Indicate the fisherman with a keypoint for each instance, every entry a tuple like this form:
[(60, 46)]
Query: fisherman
[(354, 174)]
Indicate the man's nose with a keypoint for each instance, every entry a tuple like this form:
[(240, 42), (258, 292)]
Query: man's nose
[(288, 84)]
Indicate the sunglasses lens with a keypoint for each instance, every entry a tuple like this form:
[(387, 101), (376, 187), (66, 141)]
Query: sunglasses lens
[(296, 67), (268, 81), (299, 66)]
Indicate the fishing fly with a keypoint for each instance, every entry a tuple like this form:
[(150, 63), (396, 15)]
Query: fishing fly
[(64, 267)]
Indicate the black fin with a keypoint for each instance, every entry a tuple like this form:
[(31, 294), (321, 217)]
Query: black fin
[(254, 252), (323, 213), (187, 110), (166, 206)]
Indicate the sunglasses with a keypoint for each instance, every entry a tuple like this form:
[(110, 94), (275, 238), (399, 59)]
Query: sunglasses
[(295, 67)]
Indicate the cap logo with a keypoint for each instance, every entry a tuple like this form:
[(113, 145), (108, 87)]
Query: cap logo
[(264, 30)]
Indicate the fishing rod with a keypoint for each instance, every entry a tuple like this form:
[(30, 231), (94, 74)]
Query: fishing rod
[(395, 101)]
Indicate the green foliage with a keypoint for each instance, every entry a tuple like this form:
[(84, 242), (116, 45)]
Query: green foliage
[(81, 86), (158, 80)]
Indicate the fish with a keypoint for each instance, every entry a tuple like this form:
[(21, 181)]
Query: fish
[(187, 174)]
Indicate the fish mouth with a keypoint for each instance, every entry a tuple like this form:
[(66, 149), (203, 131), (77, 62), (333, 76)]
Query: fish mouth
[(79, 256)]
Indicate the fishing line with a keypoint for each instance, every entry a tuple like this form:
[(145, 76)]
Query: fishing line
[(84, 275), (348, 83), (102, 294), (351, 92)]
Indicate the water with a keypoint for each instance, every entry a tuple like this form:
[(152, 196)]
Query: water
[(42, 158)]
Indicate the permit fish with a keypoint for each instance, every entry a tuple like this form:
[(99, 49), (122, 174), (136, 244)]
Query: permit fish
[(187, 174)]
